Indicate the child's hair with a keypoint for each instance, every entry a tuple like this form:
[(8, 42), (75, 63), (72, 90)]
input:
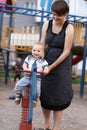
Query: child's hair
[(39, 43)]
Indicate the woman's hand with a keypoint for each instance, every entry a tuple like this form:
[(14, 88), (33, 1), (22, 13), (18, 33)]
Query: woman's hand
[(46, 70)]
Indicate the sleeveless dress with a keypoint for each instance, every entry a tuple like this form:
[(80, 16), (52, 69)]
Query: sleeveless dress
[(56, 87)]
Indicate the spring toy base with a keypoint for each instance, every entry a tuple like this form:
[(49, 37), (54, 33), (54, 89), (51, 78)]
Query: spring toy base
[(25, 102), (24, 126)]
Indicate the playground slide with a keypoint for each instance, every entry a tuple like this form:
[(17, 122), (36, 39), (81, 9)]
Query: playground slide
[(77, 54), (76, 59)]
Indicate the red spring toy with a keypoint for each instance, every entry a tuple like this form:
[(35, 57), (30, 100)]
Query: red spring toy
[(25, 124)]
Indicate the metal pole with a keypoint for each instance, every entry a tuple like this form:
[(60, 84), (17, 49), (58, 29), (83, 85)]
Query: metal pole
[(83, 66), (7, 62), (1, 22), (42, 4), (41, 23)]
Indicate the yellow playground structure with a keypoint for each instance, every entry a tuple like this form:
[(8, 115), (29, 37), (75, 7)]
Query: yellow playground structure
[(20, 40), (79, 35)]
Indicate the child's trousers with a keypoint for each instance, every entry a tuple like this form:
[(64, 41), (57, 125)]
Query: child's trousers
[(23, 82)]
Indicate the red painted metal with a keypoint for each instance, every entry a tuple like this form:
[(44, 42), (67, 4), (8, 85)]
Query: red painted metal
[(9, 2), (76, 59), (28, 71), (24, 125)]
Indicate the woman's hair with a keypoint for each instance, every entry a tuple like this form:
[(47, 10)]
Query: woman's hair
[(60, 7)]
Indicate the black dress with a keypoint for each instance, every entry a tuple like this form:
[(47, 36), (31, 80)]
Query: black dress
[(56, 87)]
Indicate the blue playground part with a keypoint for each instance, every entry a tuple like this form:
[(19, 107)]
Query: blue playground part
[(32, 95), (49, 5), (42, 3)]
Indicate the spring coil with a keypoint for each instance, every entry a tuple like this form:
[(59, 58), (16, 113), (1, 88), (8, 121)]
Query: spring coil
[(24, 115)]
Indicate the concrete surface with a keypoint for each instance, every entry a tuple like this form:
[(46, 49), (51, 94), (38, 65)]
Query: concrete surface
[(74, 118)]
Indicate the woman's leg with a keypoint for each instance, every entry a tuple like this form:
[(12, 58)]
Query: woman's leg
[(57, 119), (46, 114)]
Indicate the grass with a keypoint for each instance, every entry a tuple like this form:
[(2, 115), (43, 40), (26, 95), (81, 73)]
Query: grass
[(11, 75), (77, 80)]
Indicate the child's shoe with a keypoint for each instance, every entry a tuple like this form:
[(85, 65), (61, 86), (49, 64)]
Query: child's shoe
[(18, 99), (35, 102)]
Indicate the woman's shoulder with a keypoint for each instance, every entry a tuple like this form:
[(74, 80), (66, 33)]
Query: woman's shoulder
[(70, 24), (46, 24), (70, 27)]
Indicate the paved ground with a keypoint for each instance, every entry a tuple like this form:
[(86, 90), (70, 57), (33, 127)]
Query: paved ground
[(74, 118)]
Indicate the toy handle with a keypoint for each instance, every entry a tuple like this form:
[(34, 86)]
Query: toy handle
[(28, 71)]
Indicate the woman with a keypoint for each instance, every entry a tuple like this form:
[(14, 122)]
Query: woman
[(56, 86)]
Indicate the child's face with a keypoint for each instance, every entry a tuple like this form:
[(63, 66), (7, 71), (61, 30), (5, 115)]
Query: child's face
[(37, 51)]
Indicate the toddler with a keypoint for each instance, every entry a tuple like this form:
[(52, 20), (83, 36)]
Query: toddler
[(42, 66)]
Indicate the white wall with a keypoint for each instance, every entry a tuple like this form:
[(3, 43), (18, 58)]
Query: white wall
[(78, 7)]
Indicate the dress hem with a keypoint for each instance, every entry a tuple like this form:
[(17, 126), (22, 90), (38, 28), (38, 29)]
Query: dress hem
[(56, 108)]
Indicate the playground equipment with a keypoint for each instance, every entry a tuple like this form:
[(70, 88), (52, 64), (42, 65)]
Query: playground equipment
[(19, 40), (77, 54), (79, 33), (27, 102), (24, 124), (23, 41), (76, 20), (2, 64), (76, 59)]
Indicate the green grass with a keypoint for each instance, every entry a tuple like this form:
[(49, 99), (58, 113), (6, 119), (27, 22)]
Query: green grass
[(11, 75), (77, 80)]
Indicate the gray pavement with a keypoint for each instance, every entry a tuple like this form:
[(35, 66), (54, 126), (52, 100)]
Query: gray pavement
[(74, 118)]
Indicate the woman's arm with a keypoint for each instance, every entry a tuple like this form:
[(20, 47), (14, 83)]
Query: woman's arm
[(43, 35), (69, 35)]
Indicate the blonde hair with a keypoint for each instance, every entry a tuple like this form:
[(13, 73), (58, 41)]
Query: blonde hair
[(40, 44)]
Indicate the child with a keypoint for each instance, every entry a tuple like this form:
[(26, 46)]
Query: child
[(42, 66)]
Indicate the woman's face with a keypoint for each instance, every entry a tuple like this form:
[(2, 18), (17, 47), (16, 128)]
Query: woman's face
[(58, 19)]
